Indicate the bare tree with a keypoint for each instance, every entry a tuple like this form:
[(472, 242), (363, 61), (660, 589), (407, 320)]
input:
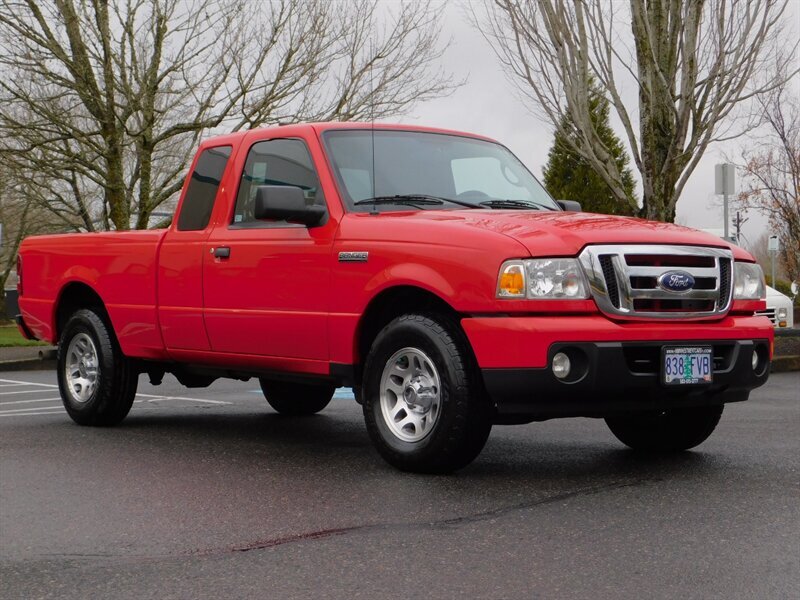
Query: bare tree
[(693, 64), (759, 248), (105, 99), (771, 175), (21, 215)]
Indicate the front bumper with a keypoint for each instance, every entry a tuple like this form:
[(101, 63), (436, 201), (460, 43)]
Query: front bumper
[(619, 364)]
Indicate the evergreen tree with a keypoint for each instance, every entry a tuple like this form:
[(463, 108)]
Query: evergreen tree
[(567, 176)]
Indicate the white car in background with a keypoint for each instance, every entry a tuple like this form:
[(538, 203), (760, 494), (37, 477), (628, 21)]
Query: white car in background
[(779, 309)]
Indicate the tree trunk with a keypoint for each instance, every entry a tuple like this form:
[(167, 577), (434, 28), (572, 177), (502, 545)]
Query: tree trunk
[(145, 151), (115, 197), (657, 125), (659, 205)]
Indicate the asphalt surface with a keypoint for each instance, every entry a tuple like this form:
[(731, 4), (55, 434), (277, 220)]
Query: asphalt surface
[(210, 494)]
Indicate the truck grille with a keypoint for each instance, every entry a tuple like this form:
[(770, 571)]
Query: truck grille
[(625, 280), (769, 313)]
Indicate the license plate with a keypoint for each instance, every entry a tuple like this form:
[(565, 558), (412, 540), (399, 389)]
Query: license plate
[(687, 365)]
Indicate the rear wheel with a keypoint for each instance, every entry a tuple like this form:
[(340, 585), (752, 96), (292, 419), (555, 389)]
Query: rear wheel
[(97, 382), (297, 398), (666, 431), (424, 406)]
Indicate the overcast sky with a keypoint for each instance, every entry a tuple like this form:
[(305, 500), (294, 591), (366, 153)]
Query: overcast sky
[(488, 105)]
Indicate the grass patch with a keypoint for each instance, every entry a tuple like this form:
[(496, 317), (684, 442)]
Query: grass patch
[(10, 336)]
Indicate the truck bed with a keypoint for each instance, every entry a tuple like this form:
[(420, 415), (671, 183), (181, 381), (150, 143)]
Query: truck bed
[(119, 266)]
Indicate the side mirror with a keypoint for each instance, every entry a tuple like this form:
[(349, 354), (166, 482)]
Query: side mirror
[(569, 205), (286, 203)]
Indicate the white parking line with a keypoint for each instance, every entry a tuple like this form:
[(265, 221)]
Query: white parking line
[(27, 410), (162, 398), (153, 396), (21, 392), (16, 381), (157, 398), (44, 411), (4, 385), (29, 401)]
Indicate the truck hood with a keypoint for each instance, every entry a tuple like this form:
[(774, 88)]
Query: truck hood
[(567, 233)]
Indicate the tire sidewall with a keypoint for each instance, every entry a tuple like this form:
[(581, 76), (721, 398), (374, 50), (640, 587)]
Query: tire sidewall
[(87, 322), (401, 334)]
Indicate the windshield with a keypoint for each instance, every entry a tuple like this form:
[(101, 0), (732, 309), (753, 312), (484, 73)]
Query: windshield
[(471, 171)]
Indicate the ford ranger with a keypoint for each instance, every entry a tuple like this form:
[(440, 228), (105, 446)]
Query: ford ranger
[(427, 269)]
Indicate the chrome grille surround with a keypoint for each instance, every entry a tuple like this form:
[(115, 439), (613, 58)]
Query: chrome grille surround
[(617, 297)]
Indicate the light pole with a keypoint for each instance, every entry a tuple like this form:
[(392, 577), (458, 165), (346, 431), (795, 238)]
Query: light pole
[(725, 185), (773, 245)]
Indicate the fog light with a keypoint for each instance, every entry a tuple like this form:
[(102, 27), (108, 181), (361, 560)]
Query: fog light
[(561, 365), (754, 360)]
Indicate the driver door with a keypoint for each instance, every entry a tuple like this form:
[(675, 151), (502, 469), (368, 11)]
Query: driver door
[(265, 283)]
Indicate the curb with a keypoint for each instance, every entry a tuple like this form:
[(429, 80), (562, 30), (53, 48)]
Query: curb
[(46, 361), (35, 364)]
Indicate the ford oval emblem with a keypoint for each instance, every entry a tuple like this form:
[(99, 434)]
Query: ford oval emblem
[(676, 281)]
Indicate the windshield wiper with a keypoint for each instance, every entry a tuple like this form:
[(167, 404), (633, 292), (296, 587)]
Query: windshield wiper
[(413, 199), (405, 199), (520, 204)]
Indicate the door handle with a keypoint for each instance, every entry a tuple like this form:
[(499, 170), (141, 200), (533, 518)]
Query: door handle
[(222, 252)]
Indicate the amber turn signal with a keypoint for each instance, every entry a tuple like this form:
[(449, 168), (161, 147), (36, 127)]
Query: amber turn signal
[(512, 281)]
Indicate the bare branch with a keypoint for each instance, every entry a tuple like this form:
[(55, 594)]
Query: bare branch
[(108, 99), (698, 66)]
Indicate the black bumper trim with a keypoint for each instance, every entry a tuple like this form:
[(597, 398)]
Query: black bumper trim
[(26, 333), (614, 382)]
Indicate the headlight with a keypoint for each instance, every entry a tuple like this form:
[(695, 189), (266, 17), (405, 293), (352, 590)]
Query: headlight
[(748, 282), (542, 278)]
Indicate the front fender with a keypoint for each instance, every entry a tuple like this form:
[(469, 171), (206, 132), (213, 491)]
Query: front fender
[(413, 275)]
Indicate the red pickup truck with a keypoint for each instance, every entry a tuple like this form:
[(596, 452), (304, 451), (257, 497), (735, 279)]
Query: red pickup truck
[(427, 269)]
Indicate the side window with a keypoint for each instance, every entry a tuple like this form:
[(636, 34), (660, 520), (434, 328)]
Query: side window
[(276, 162), (202, 191)]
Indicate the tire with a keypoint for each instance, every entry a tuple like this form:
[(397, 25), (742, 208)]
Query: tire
[(672, 430), (297, 399), (97, 382), (439, 418)]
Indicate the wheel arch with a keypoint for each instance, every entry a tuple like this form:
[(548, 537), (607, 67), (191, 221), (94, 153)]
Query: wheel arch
[(391, 303), (74, 296)]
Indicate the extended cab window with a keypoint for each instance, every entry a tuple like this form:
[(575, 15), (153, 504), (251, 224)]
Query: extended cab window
[(276, 162), (202, 191)]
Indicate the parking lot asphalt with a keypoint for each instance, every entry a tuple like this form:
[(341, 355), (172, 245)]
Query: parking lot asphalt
[(210, 494)]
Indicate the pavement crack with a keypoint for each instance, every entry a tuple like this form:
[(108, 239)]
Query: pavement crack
[(298, 537), (499, 512), (450, 522)]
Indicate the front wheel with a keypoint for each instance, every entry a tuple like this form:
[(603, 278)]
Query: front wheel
[(297, 399), (97, 382), (424, 405), (670, 430)]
